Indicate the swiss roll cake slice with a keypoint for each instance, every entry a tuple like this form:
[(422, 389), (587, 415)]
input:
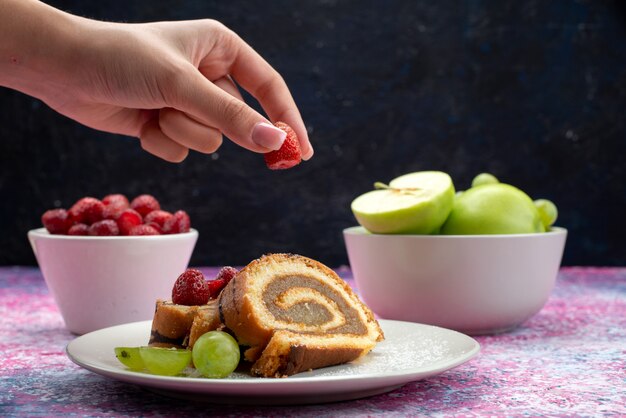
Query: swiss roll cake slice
[(296, 314)]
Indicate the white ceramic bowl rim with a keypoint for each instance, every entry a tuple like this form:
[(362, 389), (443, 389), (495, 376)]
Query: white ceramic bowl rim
[(43, 233), (359, 230)]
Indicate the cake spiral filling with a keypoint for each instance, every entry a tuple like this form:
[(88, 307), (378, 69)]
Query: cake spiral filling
[(303, 304)]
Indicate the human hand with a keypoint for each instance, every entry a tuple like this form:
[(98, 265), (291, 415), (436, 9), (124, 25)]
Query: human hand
[(172, 85)]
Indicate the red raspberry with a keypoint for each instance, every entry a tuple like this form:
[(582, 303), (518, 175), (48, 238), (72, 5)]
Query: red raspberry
[(144, 204), (113, 212), (225, 275), (158, 217), (216, 287), (190, 289), (288, 155), (86, 211), (56, 221), (78, 229), (178, 223), (114, 205), (103, 228), (115, 199), (143, 230), (156, 226), (128, 219)]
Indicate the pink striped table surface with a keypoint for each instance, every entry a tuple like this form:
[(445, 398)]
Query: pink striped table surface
[(569, 359)]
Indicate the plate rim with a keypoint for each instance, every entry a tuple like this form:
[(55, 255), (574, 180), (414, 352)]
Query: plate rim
[(204, 385)]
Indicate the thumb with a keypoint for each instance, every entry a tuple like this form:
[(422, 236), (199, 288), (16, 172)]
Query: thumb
[(212, 106)]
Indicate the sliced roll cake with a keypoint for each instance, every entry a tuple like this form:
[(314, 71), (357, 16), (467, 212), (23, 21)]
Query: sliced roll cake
[(192, 311), (176, 325), (296, 314)]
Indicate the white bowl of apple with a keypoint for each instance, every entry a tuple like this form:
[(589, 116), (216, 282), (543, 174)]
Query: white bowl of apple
[(481, 261)]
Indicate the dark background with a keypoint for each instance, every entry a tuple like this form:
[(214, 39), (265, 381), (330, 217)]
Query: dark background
[(533, 92)]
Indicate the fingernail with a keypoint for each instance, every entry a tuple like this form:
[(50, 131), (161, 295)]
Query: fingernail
[(308, 155), (268, 136)]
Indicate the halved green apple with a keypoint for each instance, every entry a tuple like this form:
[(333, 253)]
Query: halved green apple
[(415, 203)]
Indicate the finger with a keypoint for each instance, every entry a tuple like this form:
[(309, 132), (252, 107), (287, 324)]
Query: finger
[(255, 75), (188, 132), (228, 85), (156, 142), (212, 106)]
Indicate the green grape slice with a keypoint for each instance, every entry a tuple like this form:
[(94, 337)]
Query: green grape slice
[(165, 361), (216, 354), (130, 357)]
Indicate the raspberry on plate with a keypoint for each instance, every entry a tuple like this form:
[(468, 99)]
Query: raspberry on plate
[(225, 275), (144, 204), (190, 289), (56, 221), (143, 230), (178, 223), (106, 227), (127, 220), (86, 211), (289, 154)]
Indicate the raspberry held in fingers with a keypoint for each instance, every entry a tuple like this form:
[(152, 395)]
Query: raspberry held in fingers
[(289, 155)]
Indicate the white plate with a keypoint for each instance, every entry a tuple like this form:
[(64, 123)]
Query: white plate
[(410, 352)]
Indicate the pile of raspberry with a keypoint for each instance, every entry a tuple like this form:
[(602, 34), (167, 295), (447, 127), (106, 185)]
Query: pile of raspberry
[(115, 215)]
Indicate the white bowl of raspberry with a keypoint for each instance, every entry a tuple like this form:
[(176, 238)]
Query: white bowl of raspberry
[(476, 284), (99, 277)]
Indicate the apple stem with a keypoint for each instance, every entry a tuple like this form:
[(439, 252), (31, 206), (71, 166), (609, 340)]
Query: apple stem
[(382, 186)]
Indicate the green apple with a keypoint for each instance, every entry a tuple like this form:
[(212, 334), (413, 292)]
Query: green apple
[(415, 203), (547, 211), (495, 208), (484, 178)]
